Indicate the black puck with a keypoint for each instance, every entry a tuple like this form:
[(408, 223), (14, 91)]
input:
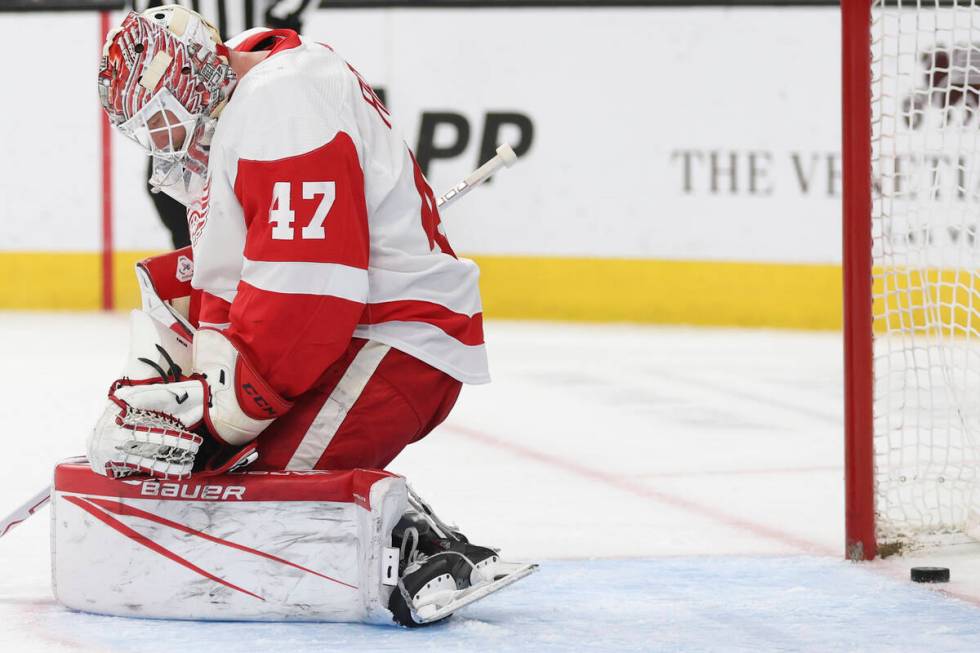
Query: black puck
[(930, 574)]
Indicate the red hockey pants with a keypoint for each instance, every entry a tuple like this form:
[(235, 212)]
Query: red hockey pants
[(368, 406)]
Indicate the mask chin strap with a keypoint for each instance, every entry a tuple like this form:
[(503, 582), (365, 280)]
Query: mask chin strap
[(169, 177), (183, 176), (186, 188)]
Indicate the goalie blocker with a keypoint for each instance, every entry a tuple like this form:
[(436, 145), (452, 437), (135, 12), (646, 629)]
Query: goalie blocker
[(249, 546)]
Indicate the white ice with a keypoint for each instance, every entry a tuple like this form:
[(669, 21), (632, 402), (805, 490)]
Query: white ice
[(681, 487)]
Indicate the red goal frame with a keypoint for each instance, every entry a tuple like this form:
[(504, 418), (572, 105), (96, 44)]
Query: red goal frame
[(856, 134)]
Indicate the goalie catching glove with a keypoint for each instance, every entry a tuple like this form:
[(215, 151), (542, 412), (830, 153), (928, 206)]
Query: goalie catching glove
[(155, 428)]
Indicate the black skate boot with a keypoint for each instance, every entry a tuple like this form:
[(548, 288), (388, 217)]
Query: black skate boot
[(420, 577), (470, 563), (440, 571), (430, 564)]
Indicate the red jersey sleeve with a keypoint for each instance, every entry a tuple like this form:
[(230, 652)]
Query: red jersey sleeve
[(304, 275)]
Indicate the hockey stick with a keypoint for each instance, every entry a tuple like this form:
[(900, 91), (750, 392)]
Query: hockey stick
[(505, 158), (32, 505)]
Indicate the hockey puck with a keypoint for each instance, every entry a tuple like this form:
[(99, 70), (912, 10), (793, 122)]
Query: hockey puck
[(930, 574)]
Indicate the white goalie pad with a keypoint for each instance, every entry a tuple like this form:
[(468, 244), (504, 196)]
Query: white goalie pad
[(154, 347), (254, 546)]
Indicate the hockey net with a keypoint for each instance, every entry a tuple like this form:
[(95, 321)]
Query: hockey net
[(915, 359)]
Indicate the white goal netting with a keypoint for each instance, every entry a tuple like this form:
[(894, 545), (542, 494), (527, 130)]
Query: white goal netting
[(925, 220)]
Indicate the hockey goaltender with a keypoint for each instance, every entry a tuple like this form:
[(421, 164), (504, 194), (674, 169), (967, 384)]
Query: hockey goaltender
[(329, 325)]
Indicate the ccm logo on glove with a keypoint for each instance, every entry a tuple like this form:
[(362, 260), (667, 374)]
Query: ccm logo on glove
[(242, 403), (258, 400)]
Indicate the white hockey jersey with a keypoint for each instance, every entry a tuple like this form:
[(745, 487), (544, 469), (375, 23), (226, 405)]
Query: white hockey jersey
[(317, 225)]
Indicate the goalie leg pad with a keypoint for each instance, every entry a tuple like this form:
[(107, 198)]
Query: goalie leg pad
[(254, 546)]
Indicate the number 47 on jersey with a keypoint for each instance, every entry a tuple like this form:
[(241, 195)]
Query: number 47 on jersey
[(282, 216)]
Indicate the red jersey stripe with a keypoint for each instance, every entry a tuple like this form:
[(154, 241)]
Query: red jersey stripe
[(464, 328)]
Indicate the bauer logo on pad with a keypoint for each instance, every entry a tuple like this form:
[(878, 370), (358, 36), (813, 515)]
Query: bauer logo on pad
[(186, 491)]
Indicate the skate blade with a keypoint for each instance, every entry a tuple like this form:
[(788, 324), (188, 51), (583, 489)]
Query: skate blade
[(463, 598)]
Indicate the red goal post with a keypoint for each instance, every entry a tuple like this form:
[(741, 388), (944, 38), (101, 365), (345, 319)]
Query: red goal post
[(858, 385), (911, 154)]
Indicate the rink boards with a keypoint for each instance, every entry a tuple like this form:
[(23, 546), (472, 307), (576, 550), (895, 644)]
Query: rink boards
[(637, 197)]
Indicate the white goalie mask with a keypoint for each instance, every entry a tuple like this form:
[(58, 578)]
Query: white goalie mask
[(178, 143), (163, 81)]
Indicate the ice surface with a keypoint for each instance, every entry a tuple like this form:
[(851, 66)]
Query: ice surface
[(682, 488), (669, 604)]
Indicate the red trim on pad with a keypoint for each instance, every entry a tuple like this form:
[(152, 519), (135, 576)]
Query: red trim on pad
[(141, 539), (120, 508), (350, 486)]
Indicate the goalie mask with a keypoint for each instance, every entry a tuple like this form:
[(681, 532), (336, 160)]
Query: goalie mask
[(163, 80)]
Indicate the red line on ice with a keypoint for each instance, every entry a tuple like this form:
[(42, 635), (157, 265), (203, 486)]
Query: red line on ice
[(627, 485), (770, 471)]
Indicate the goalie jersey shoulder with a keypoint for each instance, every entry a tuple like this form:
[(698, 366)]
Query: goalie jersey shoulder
[(291, 103)]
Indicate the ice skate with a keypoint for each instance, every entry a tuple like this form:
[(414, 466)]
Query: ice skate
[(440, 571)]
